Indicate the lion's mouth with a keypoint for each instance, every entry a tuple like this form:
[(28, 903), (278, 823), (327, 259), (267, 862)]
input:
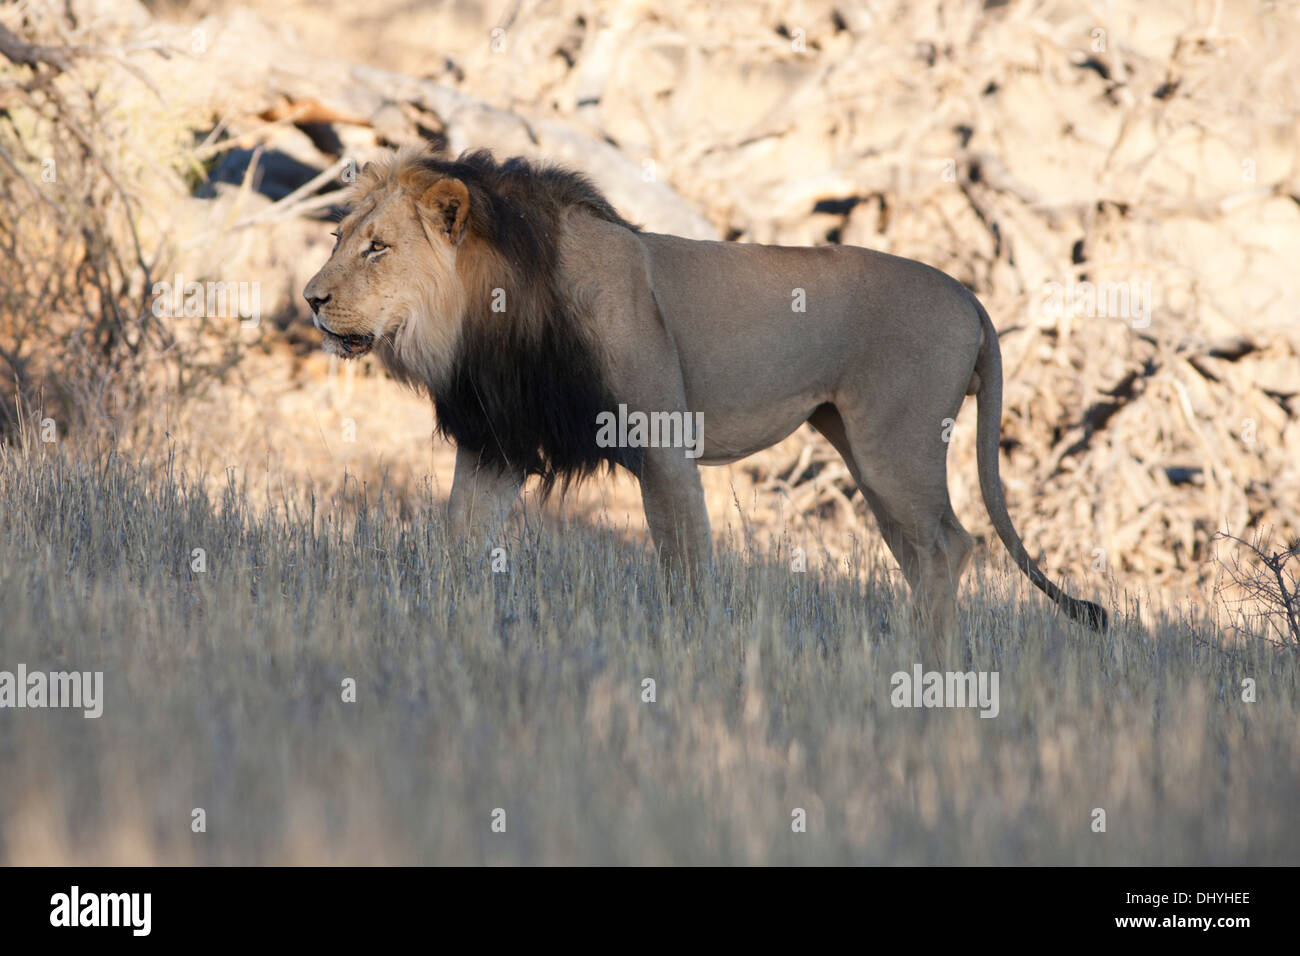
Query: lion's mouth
[(350, 346)]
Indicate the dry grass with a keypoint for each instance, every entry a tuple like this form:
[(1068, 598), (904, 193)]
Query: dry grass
[(522, 690)]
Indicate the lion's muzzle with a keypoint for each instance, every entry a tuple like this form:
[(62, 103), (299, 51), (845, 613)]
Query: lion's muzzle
[(349, 346)]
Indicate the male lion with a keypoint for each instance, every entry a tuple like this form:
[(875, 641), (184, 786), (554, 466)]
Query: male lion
[(525, 306)]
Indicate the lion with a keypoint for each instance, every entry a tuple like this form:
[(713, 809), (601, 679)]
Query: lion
[(528, 309)]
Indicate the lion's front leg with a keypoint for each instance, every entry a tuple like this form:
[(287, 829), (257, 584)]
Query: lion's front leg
[(481, 498), (674, 508)]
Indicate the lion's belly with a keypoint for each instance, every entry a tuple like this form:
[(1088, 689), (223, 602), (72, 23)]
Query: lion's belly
[(731, 434)]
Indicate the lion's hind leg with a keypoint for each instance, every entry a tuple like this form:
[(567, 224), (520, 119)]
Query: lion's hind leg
[(908, 494), (826, 419), (933, 551)]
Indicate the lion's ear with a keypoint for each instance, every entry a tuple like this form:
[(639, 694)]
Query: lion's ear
[(445, 205)]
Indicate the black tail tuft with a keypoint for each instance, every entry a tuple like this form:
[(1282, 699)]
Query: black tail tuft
[(1085, 612)]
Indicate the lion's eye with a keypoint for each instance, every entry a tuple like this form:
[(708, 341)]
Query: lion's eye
[(374, 247)]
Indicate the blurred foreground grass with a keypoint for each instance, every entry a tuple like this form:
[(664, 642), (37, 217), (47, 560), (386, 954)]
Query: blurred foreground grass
[(523, 691)]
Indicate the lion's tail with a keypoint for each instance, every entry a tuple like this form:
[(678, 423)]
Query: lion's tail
[(989, 403)]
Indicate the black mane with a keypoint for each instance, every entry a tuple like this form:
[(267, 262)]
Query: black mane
[(526, 384)]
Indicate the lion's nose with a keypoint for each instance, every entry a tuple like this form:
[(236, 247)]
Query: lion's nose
[(316, 301)]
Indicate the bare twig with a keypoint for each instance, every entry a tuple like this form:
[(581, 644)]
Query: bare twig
[(30, 54), (1277, 593)]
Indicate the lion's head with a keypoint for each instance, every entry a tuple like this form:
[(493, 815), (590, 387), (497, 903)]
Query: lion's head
[(392, 278), (450, 270)]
